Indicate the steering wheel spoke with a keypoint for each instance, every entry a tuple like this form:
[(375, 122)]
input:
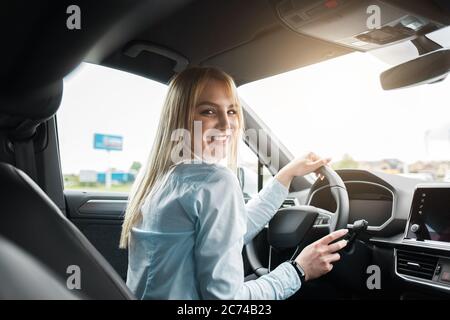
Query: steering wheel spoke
[(323, 216)]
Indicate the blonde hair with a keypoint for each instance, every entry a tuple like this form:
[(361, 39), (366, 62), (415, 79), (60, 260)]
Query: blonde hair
[(177, 113)]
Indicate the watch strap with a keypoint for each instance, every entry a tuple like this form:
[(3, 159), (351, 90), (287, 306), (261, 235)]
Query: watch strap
[(299, 269)]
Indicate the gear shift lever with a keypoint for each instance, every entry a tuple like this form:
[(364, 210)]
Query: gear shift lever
[(359, 226)]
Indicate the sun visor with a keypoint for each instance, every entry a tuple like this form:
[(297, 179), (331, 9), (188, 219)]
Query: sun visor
[(358, 24)]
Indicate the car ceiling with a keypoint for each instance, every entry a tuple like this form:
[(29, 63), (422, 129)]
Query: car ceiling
[(242, 37)]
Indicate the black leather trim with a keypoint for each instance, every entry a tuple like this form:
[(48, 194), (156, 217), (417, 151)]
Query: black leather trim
[(32, 221), (25, 278)]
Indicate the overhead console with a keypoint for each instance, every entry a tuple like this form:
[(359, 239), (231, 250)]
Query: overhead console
[(358, 24)]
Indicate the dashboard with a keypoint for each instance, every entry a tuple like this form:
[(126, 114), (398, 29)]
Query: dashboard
[(383, 200), (409, 225), (368, 200)]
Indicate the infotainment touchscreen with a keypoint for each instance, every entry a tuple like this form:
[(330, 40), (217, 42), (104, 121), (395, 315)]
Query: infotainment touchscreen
[(430, 214)]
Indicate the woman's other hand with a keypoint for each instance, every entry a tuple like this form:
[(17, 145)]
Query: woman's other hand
[(317, 258)]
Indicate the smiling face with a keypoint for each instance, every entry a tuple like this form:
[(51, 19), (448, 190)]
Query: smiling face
[(217, 115)]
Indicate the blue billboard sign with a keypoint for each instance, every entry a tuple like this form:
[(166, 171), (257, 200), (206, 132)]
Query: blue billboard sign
[(108, 142)]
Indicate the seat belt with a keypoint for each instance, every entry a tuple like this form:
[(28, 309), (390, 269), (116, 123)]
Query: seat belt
[(23, 142), (25, 157)]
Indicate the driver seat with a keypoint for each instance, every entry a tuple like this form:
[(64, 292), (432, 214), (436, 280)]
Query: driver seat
[(31, 221)]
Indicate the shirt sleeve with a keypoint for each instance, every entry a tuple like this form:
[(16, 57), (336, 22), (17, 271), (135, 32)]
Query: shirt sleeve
[(220, 228), (263, 207)]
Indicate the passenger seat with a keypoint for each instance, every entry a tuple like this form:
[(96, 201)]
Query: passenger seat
[(31, 221), (24, 278)]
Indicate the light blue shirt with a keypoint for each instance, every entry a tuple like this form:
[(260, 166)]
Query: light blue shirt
[(190, 240)]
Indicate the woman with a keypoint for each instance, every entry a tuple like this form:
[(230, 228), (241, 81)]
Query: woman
[(186, 222)]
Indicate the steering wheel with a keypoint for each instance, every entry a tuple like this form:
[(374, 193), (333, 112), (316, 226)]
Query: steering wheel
[(288, 227)]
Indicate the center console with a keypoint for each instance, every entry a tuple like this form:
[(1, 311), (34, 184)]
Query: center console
[(430, 214), (427, 257)]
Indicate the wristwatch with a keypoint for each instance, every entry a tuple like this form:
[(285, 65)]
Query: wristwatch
[(299, 269)]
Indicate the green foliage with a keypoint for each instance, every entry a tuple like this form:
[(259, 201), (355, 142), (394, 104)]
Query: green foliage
[(347, 162), (136, 166)]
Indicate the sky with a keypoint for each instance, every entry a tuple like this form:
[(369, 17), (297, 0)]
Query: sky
[(333, 108)]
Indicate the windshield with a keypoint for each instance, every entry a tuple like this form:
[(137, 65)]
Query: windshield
[(337, 108)]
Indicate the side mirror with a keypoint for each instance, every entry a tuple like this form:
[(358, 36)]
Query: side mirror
[(428, 68)]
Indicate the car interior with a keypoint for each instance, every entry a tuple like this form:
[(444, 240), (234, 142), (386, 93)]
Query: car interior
[(46, 230)]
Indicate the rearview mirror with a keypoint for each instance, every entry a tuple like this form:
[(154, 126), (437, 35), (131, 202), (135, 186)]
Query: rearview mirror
[(428, 68)]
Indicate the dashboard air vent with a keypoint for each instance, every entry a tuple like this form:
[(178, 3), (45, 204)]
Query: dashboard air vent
[(416, 264)]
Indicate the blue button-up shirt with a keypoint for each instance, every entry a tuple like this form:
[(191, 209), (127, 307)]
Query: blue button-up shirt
[(189, 243)]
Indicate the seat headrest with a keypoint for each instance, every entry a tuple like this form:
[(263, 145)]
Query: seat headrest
[(21, 113)]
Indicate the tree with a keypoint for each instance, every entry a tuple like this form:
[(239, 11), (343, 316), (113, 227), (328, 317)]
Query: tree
[(347, 162), (136, 166)]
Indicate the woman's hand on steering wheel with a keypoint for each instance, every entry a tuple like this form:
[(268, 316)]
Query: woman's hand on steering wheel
[(317, 258), (301, 166)]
